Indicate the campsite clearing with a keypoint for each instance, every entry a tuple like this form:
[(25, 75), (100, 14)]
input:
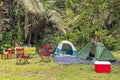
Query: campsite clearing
[(36, 70)]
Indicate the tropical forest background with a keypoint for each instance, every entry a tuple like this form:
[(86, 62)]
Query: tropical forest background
[(47, 22)]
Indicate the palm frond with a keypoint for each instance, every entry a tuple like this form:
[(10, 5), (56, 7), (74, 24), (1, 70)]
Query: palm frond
[(56, 18), (34, 6), (74, 21)]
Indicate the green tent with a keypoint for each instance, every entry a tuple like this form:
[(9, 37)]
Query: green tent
[(97, 50)]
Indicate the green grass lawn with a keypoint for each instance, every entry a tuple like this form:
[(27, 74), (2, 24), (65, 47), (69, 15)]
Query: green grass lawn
[(36, 70)]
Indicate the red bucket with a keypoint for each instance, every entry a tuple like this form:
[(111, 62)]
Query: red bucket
[(9, 51)]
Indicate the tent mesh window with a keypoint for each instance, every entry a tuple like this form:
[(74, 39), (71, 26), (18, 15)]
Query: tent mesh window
[(67, 49)]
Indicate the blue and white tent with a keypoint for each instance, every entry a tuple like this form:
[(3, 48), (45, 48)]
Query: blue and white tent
[(58, 50)]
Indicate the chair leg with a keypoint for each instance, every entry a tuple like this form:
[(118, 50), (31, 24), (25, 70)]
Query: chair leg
[(41, 58), (45, 58), (19, 60), (48, 58), (25, 60)]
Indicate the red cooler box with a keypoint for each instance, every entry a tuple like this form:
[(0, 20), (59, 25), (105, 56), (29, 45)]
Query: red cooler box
[(102, 66)]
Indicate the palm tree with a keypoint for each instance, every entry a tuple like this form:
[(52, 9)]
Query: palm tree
[(39, 10)]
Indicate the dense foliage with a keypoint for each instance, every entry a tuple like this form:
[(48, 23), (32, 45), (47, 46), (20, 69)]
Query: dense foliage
[(47, 22)]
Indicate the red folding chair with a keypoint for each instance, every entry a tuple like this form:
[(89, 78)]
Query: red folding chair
[(21, 57), (45, 53)]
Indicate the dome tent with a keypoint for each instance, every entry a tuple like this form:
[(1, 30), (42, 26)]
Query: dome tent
[(100, 52), (59, 51)]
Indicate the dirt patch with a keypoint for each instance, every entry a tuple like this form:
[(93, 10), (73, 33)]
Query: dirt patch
[(3, 73), (30, 73)]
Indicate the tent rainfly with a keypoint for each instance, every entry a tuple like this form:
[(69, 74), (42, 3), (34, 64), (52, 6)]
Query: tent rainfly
[(58, 50), (100, 52)]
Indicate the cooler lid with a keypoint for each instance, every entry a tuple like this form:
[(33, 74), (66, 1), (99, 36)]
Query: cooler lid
[(102, 62)]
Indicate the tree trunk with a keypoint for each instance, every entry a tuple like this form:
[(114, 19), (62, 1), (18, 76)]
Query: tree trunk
[(29, 37), (18, 24), (26, 28)]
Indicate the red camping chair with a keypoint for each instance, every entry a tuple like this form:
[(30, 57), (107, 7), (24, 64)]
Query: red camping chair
[(45, 53), (21, 57)]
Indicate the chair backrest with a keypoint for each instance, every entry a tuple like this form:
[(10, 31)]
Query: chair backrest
[(46, 51), (20, 51)]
